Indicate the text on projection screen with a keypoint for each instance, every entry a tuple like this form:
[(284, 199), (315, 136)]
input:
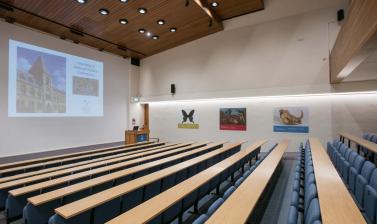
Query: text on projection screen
[(48, 83)]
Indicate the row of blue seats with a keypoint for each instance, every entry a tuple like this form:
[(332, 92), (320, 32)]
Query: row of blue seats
[(15, 204), (372, 138), (359, 175), (304, 207), (89, 156), (244, 173), (40, 214), (113, 208)]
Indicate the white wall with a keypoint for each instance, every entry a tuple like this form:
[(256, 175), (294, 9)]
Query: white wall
[(28, 135), (279, 57)]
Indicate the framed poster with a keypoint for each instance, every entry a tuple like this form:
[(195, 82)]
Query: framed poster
[(188, 120), (291, 119), (233, 119)]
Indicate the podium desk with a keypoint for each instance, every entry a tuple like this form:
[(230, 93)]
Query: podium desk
[(136, 136)]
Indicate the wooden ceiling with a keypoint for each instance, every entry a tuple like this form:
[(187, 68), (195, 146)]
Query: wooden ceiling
[(82, 23)]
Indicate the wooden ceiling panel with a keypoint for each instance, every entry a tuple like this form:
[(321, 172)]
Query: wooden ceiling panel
[(192, 21), (228, 9)]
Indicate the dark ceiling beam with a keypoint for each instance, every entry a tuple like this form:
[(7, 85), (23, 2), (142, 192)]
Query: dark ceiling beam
[(356, 41), (209, 11)]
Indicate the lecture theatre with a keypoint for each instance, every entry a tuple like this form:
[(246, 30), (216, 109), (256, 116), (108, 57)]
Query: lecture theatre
[(188, 111)]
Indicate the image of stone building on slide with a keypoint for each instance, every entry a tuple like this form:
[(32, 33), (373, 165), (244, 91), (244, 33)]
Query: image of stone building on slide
[(39, 91)]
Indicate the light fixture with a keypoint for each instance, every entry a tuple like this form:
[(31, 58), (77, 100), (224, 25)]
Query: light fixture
[(81, 1), (104, 12), (173, 30), (155, 37), (142, 10), (214, 4), (123, 1), (123, 21), (161, 22), (142, 30), (149, 34)]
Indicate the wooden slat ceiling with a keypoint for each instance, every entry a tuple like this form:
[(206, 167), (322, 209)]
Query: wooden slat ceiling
[(59, 17)]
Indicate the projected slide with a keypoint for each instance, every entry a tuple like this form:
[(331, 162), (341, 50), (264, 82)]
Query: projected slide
[(47, 83)]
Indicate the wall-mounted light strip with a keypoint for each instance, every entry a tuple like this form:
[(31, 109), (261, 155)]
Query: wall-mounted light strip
[(280, 97)]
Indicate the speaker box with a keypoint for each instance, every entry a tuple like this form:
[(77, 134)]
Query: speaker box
[(340, 15), (135, 61), (172, 89)]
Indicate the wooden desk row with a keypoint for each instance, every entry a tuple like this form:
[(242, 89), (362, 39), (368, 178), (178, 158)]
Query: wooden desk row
[(77, 207), (157, 205), (72, 159), (76, 164), (371, 146), (49, 158)]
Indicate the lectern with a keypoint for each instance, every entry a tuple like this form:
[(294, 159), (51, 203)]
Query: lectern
[(136, 136)]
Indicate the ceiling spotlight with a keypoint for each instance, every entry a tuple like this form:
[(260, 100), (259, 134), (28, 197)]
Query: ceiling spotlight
[(214, 4), (173, 30), (142, 10), (81, 1), (141, 30), (149, 34), (123, 21), (123, 1), (104, 12), (155, 37), (161, 22)]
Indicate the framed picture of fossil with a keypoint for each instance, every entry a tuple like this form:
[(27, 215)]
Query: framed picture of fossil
[(233, 119), (291, 119)]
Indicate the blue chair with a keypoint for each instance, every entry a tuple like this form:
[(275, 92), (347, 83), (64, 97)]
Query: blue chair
[(362, 180), (345, 167), (201, 219), (293, 215), (295, 199), (310, 194), (228, 192), (239, 182), (313, 213), (370, 198), (215, 205), (354, 171)]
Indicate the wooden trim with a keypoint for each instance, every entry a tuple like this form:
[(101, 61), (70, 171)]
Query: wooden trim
[(356, 41), (146, 116)]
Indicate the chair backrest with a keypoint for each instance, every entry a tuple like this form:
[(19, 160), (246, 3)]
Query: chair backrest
[(343, 149), (374, 138), (310, 193), (373, 179), (313, 213), (367, 170), (352, 157), (358, 163), (347, 154)]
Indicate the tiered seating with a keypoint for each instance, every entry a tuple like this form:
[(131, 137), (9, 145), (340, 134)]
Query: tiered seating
[(245, 202), (17, 198), (214, 184), (359, 175), (109, 203), (367, 144), (42, 207), (304, 200)]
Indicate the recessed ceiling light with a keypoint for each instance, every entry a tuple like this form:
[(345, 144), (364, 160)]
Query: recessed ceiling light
[(103, 11), (155, 37), (81, 1), (173, 30), (149, 34), (161, 22), (141, 30), (142, 10), (123, 1), (123, 21), (214, 4)]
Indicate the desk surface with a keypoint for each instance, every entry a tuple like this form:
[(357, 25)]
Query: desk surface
[(365, 143), (238, 207), (94, 153), (336, 203), (70, 165), (52, 195), (158, 204), (26, 162), (103, 169), (77, 207), (118, 158)]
